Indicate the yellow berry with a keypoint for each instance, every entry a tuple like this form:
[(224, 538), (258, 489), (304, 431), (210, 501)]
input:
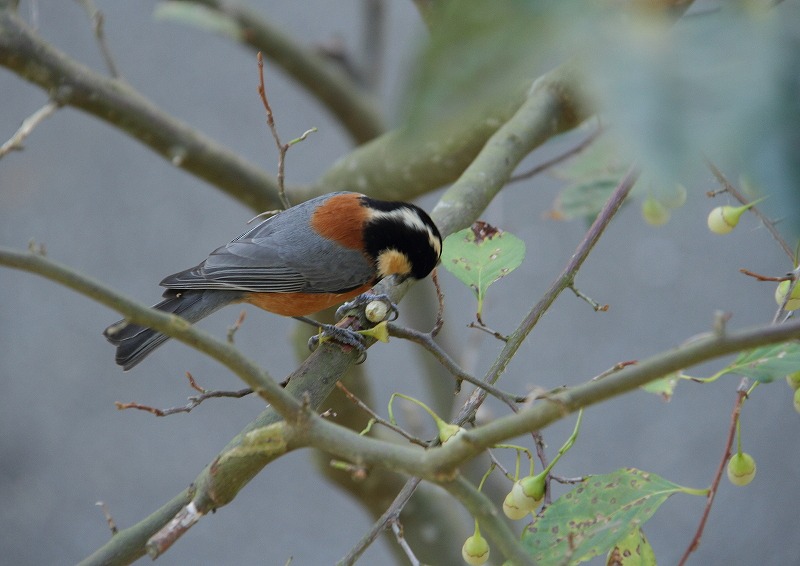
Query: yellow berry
[(511, 509), (780, 295), (528, 492), (793, 379), (655, 213), (723, 219), (741, 468), (475, 550)]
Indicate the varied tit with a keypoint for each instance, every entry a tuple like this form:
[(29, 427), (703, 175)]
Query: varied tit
[(305, 259)]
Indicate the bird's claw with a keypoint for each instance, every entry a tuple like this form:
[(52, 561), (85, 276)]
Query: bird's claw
[(343, 336), (364, 299)]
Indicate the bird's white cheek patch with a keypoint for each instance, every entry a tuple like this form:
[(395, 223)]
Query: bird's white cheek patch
[(393, 262)]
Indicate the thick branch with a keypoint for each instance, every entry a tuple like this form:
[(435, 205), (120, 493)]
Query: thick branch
[(170, 325), (353, 107), (394, 167), (441, 464), (114, 101), (549, 109)]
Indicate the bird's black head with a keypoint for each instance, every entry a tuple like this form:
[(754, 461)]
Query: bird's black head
[(402, 238)]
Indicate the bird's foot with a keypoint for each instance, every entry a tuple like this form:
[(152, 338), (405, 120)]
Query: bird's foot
[(343, 336)]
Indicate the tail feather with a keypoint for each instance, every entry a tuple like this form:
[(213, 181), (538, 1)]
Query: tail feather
[(135, 342)]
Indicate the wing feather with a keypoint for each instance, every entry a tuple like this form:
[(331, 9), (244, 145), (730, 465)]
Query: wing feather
[(280, 255)]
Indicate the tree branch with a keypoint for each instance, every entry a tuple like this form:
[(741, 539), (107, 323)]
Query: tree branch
[(564, 280), (440, 464), (114, 101), (353, 107), (168, 324), (392, 167)]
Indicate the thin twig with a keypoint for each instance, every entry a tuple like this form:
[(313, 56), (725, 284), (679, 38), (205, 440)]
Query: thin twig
[(499, 466), (112, 525), (194, 400), (613, 369), (479, 325), (14, 143), (566, 278), (594, 304), (729, 188), (426, 341), (282, 147), (376, 418), (98, 19), (437, 326), (737, 408), (234, 328), (559, 158), (765, 277), (397, 529), (391, 514)]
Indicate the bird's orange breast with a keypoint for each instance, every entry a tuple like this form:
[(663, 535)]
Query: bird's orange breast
[(301, 304)]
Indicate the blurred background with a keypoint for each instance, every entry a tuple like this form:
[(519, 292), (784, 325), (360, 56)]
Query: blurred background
[(104, 204)]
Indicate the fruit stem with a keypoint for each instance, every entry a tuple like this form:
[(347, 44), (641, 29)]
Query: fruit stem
[(567, 445)]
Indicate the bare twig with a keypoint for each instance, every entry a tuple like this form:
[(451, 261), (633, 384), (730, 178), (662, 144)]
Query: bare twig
[(499, 465), (376, 418), (613, 369), (112, 526), (194, 400), (437, 326), (765, 277), (397, 529), (234, 328), (354, 108), (98, 19), (479, 325), (426, 341), (594, 304), (282, 147), (14, 143), (391, 514), (566, 278), (28, 55), (730, 189), (737, 408), (559, 158)]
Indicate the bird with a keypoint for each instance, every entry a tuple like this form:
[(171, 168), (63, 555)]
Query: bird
[(302, 260)]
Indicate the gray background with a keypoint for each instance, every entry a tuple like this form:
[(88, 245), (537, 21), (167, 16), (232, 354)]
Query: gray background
[(109, 207)]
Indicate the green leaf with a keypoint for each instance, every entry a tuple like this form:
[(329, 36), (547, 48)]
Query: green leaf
[(664, 386), (633, 550), (601, 159), (583, 199), (198, 16), (768, 363), (597, 514), (480, 255)]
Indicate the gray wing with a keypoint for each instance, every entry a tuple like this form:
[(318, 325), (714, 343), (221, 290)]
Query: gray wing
[(280, 255)]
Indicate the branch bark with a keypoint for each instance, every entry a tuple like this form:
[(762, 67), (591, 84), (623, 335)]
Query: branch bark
[(114, 101)]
